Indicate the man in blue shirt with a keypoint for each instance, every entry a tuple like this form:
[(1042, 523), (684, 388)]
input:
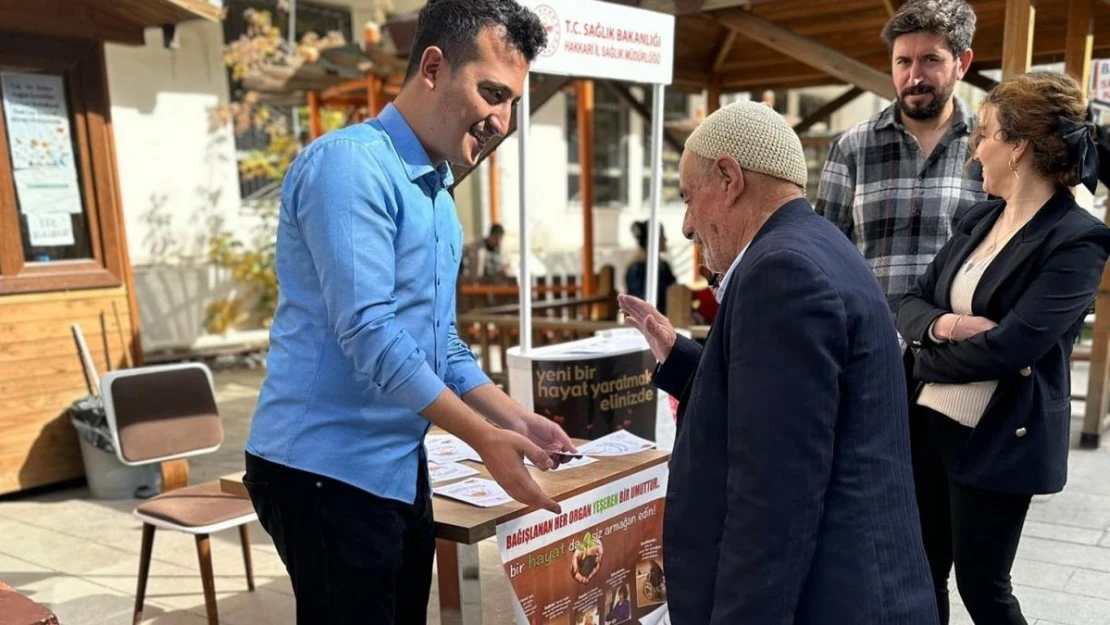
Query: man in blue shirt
[(364, 353)]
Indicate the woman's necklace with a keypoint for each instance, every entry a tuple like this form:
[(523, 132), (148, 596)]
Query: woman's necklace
[(990, 251)]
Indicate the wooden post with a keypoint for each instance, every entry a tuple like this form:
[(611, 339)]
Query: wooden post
[(315, 124), (817, 55), (1077, 57), (373, 95), (1098, 400), (1077, 50), (1017, 38), (713, 97), (494, 189), (586, 180)]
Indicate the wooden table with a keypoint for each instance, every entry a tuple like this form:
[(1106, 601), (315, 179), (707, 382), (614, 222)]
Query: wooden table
[(460, 526)]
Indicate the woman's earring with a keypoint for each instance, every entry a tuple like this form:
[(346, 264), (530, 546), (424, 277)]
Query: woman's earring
[(1013, 167)]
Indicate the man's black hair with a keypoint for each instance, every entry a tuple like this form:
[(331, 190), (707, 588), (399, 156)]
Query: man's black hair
[(453, 26)]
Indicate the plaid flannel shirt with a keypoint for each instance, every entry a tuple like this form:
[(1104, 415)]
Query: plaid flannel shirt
[(895, 204)]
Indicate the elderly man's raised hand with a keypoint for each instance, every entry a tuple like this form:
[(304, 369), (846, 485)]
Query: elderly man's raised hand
[(656, 328)]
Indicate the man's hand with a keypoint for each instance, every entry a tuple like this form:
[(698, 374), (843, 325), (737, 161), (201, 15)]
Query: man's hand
[(656, 328), (546, 434), (502, 452)]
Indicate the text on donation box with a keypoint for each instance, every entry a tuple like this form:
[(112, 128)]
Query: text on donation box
[(594, 397), (598, 562)]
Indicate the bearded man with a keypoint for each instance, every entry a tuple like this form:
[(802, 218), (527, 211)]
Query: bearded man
[(895, 182)]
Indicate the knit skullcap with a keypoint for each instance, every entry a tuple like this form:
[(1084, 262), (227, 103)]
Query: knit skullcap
[(756, 136)]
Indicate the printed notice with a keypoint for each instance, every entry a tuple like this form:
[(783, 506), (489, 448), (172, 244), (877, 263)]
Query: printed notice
[(449, 471), (598, 562), (448, 448), (48, 229), (619, 443), (476, 491), (40, 143)]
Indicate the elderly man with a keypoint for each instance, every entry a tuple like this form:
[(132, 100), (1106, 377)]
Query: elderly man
[(791, 494)]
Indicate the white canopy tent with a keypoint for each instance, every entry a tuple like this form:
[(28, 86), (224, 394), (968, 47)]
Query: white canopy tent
[(591, 39)]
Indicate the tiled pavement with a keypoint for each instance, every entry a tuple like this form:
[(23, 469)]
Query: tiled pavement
[(79, 555)]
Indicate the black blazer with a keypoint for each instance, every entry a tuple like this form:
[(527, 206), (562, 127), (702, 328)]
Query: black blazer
[(1038, 290), (790, 499)]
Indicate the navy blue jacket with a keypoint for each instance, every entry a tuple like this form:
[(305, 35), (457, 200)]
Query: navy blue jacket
[(1037, 289), (791, 499)]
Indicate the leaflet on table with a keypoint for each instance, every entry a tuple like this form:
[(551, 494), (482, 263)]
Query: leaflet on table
[(659, 617), (438, 472), (600, 561), (449, 448), (475, 491), (619, 443)]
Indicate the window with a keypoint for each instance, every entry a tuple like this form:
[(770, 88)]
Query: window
[(676, 107), (58, 212), (610, 149), (310, 17)]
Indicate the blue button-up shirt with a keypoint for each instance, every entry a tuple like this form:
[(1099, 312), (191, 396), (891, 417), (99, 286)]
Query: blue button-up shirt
[(363, 339)]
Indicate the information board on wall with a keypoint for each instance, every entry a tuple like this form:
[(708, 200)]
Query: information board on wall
[(36, 116)]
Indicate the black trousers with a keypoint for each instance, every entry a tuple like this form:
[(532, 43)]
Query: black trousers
[(352, 557), (977, 530)]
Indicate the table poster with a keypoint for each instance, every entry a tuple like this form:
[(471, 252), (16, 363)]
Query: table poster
[(598, 562), (38, 128)]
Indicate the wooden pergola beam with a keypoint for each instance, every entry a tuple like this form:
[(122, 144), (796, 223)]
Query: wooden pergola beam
[(823, 113), (809, 52), (625, 94), (724, 50), (975, 79), (1017, 42)]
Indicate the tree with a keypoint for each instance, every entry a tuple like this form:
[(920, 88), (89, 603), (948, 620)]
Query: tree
[(252, 263)]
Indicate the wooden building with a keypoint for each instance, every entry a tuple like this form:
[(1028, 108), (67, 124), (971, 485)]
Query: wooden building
[(63, 251)]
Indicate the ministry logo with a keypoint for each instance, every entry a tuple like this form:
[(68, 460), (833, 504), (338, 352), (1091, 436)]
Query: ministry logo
[(550, 21)]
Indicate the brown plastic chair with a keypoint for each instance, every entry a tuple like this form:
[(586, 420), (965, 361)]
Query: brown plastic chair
[(166, 414)]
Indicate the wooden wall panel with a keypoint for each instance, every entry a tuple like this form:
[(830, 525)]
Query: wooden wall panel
[(41, 375)]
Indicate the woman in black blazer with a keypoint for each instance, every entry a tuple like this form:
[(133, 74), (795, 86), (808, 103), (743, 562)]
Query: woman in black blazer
[(991, 325)]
